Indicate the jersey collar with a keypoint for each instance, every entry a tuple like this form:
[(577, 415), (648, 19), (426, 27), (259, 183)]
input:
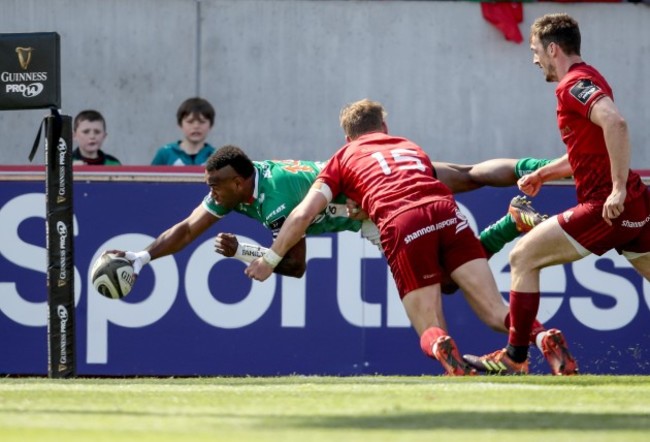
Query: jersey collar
[(255, 187)]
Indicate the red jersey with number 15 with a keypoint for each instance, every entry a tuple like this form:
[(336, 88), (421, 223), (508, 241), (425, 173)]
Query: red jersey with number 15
[(385, 174), (576, 93)]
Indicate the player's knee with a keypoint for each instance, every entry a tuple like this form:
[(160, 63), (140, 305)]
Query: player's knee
[(517, 258)]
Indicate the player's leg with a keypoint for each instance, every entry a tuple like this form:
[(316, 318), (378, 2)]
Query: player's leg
[(479, 288), (423, 307), (545, 245), (521, 218), (416, 270), (638, 252), (641, 262), (463, 256)]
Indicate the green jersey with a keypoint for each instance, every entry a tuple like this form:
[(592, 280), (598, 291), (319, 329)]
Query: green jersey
[(279, 187)]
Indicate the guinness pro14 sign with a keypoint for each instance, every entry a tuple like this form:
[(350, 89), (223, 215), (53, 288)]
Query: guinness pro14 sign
[(30, 71)]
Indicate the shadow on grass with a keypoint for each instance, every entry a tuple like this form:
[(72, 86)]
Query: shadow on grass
[(485, 420), (391, 420)]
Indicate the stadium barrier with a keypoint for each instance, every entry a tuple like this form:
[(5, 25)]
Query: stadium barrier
[(195, 313)]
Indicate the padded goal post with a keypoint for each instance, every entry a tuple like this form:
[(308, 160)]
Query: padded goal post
[(30, 79)]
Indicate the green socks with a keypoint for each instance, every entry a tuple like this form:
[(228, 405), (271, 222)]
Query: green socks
[(498, 234)]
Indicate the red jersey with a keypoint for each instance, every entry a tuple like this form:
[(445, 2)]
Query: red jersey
[(385, 174), (576, 93)]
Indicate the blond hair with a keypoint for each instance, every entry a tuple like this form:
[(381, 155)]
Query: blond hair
[(362, 117)]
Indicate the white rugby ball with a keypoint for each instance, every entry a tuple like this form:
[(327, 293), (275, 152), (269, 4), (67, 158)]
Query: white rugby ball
[(112, 276)]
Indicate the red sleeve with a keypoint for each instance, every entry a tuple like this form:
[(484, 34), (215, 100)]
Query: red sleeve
[(331, 174), (578, 96)]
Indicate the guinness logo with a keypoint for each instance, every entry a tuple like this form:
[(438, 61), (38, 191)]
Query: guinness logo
[(24, 57)]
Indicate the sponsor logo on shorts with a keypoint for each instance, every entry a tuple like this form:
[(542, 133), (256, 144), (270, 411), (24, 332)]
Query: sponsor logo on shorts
[(583, 90), (428, 229), (635, 224), (462, 224)]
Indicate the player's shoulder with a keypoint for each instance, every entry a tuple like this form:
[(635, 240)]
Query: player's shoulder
[(212, 207), (287, 168), (583, 83)]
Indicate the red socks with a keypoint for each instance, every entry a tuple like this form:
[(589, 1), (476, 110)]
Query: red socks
[(427, 339), (523, 310), (538, 327)]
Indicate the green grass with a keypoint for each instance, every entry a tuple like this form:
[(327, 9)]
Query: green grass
[(370, 408)]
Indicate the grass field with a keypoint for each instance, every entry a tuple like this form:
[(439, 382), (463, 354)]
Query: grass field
[(296, 408)]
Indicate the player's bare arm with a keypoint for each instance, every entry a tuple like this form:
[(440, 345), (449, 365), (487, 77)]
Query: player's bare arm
[(180, 235), (172, 240), (499, 172), (605, 114), (455, 176)]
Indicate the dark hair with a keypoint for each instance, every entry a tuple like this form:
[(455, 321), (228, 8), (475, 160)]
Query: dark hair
[(232, 156), (198, 106), (560, 29), (88, 115)]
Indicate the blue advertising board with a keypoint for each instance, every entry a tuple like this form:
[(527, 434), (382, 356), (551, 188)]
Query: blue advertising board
[(195, 313)]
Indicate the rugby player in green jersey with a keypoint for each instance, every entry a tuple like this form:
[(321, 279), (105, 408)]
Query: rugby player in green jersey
[(267, 191)]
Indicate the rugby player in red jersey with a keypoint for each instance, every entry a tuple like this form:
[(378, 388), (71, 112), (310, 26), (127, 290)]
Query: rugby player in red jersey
[(423, 233), (613, 208)]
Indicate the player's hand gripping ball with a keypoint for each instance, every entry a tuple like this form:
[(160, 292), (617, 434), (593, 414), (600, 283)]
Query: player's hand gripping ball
[(113, 276)]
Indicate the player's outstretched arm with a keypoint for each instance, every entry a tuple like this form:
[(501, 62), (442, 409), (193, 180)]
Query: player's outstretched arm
[(498, 172), (173, 239), (459, 178), (181, 234)]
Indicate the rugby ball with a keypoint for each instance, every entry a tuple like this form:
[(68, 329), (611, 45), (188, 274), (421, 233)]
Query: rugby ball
[(112, 276)]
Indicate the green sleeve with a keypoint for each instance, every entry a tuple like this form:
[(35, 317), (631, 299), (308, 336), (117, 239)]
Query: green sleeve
[(528, 165)]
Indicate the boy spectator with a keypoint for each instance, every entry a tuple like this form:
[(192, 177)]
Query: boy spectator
[(195, 117), (89, 132)]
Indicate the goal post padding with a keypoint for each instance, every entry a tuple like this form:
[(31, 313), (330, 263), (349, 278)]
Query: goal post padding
[(60, 244), (30, 78)]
